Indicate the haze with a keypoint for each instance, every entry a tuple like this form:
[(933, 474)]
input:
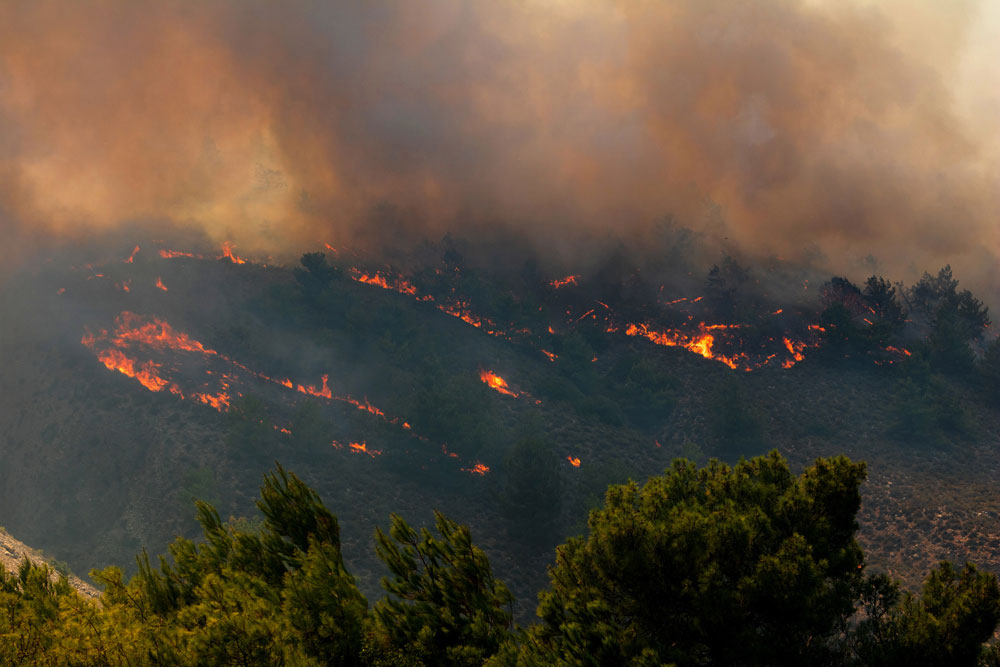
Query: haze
[(824, 130)]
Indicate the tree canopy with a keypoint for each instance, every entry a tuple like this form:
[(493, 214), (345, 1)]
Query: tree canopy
[(741, 565)]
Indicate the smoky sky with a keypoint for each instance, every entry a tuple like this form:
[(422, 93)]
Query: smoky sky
[(845, 129)]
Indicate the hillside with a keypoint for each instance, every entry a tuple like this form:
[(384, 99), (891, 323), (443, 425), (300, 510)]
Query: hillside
[(137, 382), (13, 553)]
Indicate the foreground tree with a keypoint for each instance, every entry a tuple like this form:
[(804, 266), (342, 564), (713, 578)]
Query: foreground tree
[(743, 565), (445, 606), (724, 565)]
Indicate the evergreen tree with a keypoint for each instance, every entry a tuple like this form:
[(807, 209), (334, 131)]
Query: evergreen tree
[(444, 605)]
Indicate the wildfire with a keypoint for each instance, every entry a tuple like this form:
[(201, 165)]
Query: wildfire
[(563, 282), (396, 284), (794, 349), (363, 406), (496, 383), (146, 374), (227, 253), (477, 469), (171, 254), (220, 401), (160, 285), (699, 343), (156, 334), (128, 260), (323, 392), (550, 355), (573, 461), (362, 448)]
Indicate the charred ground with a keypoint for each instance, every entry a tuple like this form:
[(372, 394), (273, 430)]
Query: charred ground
[(142, 378)]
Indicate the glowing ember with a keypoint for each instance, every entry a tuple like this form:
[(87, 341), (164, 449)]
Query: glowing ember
[(573, 461), (128, 260), (550, 355), (477, 469), (444, 449), (160, 285), (563, 282), (496, 383)]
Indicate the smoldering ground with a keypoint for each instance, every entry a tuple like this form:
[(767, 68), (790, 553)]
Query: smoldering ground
[(822, 130)]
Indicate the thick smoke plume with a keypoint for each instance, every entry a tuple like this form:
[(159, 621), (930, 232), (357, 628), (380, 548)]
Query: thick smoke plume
[(783, 126)]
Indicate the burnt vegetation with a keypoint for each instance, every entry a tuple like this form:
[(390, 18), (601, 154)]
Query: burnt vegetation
[(366, 379)]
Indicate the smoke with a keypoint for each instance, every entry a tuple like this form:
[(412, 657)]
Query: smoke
[(781, 127)]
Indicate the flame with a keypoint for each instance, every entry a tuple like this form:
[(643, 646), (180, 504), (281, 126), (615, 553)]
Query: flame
[(146, 374), (550, 355), (477, 469), (396, 284), (362, 448), (324, 392), (699, 343), (562, 282), (360, 406), (160, 285), (220, 401), (171, 254), (128, 260), (794, 349), (452, 455), (496, 383), (573, 461), (156, 334), (331, 248), (227, 253)]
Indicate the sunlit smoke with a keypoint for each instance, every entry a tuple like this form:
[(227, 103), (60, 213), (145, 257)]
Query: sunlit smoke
[(780, 127)]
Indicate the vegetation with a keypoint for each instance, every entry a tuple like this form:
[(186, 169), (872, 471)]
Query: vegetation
[(741, 565)]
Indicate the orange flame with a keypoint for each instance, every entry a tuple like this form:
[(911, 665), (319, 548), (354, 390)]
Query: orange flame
[(156, 334), (160, 285), (397, 284), (323, 392), (496, 383), (550, 355), (573, 461), (220, 401), (699, 343), (171, 254), (362, 448), (227, 253), (128, 260), (562, 282), (146, 374), (794, 349), (359, 405), (477, 469)]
